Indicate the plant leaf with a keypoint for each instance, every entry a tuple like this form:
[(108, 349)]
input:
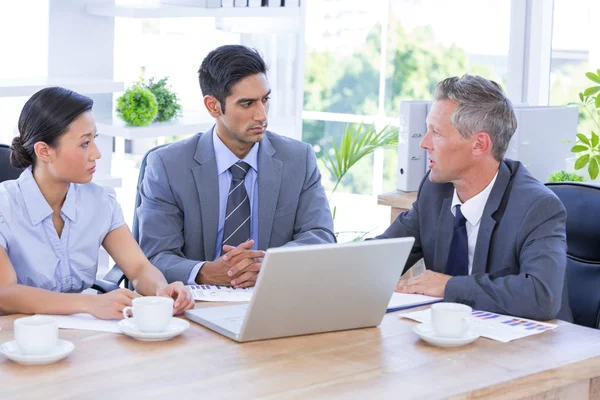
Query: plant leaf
[(582, 161), (581, 96), (583, 139), (578, 149), (594, 139), (597, 101), (593, 77), (593, 168), (591, 90)]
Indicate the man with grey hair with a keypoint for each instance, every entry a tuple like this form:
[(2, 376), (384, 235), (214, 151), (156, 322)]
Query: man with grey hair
[(491, 236)]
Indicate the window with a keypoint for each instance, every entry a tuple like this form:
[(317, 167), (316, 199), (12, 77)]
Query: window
[(363, 58), (572, 54)]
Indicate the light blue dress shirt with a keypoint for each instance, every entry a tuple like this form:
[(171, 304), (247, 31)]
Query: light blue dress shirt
[(40, 257), (225, 159)]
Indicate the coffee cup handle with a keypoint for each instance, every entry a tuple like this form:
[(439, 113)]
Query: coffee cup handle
[(125, 314), (466, 321)]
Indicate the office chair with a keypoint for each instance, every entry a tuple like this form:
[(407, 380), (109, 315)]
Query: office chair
[(115, 277), (7, 171), (582, 201)]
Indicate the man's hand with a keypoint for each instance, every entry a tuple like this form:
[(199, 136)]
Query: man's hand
[(110, 305), (181, 294), (428, 283), (238, 267)]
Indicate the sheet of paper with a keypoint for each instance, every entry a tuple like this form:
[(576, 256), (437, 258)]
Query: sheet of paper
[(220, 293), (401, 301), (502, 328), (86, 322)]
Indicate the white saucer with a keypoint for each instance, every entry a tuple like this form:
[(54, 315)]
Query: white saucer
[(12, 352), (176, 326), (426, 333)]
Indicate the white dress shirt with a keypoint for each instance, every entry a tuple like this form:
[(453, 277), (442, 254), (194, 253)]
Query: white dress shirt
[(472, 210)]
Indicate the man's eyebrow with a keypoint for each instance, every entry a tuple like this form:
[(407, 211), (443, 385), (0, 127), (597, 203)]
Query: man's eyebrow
[(248, 99)]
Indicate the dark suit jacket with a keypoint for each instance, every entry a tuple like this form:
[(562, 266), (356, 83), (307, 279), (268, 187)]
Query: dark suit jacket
[(521, 251), (179, 211)]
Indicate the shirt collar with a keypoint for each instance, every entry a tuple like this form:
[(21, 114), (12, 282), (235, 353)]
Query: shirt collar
[(225, 157), (36, 204), (473, 208)]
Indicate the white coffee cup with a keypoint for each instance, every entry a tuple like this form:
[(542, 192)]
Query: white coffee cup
[(450, 320), (36, 335), (151, 314)]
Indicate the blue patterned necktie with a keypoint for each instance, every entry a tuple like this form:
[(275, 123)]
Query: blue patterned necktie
[(458, 259), (237, 216)]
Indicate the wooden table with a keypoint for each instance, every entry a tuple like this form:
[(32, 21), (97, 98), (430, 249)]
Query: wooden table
[(374, 363), (399, 201)]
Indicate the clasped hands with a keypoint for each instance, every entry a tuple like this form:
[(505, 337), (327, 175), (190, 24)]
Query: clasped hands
[(428, 283), (238, 267)]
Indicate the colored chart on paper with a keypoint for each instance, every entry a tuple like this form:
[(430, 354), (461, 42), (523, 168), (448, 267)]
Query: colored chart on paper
[(503, 328), (220, 293)]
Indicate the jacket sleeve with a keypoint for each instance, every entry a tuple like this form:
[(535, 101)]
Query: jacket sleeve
[(407, 225), (313, 223), (161, 223)]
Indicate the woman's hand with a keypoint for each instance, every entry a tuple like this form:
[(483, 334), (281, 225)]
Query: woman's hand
[(181, 294), (110, 305)]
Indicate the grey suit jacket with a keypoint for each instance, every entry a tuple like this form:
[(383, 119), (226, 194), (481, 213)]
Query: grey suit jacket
[(521, 251), (179, 212)]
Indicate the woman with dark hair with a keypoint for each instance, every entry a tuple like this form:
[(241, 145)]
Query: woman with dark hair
[(53, 220)]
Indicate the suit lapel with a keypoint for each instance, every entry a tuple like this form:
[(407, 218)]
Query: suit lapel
[(445, 230), (207, 184), (269, 182), (487, 224)]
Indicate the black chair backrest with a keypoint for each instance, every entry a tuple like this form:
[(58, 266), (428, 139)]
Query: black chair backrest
[(7, 171), (582, 202)]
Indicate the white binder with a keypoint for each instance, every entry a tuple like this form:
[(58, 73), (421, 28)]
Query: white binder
[(412, 160)]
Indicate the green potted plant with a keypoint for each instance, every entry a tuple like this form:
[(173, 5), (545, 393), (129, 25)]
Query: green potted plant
[(357, 142), (137, 106), (564, 176), (587, 147), (168, 103)]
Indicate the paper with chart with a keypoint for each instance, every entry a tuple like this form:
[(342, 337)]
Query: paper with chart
[(502, 328), (220, 293)]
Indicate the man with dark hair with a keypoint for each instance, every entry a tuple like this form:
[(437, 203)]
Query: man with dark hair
[(212, 204), (491, 236)]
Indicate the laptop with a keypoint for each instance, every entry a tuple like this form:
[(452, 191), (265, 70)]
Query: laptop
[(312, 289)]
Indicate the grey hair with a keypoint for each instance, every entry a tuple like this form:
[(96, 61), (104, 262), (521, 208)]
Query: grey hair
[(482, 107)]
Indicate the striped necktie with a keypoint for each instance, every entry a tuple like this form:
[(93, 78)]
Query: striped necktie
[(237, 216)]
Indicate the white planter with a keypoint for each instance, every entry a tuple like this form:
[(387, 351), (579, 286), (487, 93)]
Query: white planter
[(570, 167)]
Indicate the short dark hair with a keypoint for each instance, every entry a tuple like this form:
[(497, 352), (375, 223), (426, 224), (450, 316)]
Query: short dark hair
[(225, 66), (45, 118)]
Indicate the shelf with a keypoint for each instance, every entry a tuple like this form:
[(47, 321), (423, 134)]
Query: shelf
[(171, 11), (107, 180), (28, 86), (188, 124)]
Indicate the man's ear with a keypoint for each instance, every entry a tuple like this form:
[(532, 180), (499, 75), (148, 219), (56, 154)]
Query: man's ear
[(43, 152), (213, 106), (482, 143)]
